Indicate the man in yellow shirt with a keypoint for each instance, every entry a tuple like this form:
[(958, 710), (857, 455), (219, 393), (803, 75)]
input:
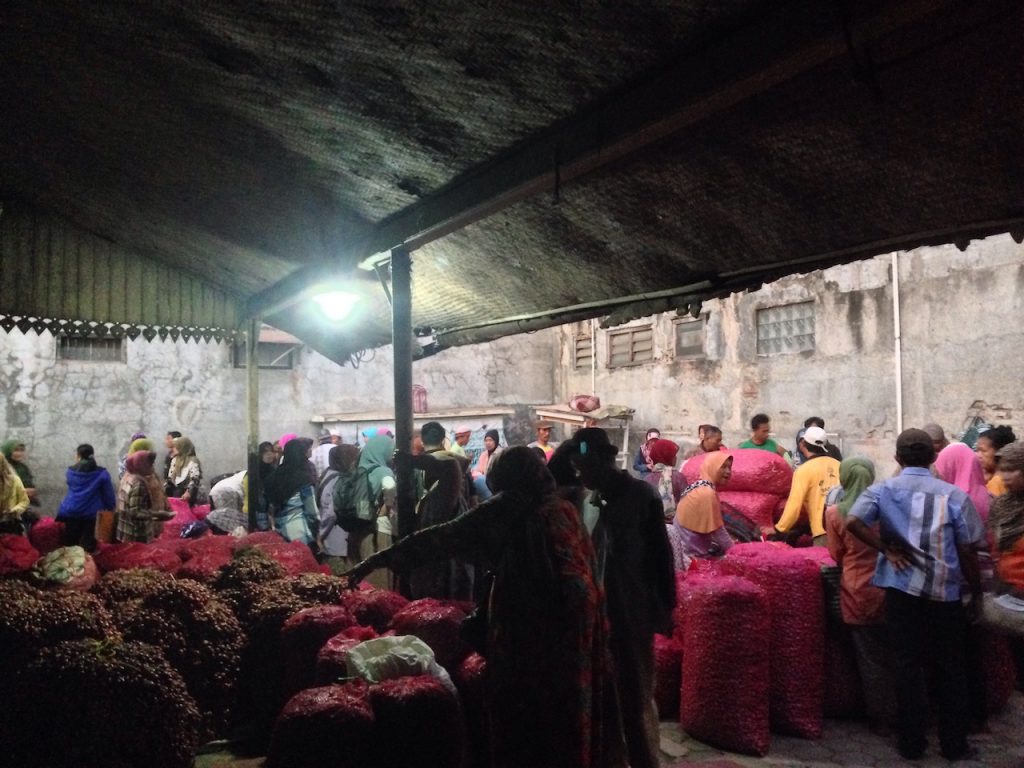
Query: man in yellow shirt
[(811, 483)]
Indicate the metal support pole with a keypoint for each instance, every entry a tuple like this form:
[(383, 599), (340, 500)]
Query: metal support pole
[(897, 340), (252, 390), (401, 341)]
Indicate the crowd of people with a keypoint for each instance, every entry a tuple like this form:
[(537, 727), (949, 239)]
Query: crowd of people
[(573, 561), (927, 556)]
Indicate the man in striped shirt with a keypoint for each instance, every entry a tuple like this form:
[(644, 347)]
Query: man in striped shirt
[(927, 532)]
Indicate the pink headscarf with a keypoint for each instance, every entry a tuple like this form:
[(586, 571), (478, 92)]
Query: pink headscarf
[(286, 438), (959, 465)]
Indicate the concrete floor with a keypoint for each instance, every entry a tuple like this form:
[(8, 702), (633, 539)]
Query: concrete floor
[(844, 743), (850, 743)]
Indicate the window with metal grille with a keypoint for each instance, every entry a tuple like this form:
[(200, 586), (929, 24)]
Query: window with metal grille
[(630, 346), (90, 349), (270, 354), (583, 352), (690, 337), (786, 329)]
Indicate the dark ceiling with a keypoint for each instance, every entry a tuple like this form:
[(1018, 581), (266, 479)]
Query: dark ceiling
[(547, 161)]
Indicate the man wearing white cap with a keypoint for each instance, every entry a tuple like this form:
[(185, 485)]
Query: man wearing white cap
[(326, 440), (458, 447), (811, 483)]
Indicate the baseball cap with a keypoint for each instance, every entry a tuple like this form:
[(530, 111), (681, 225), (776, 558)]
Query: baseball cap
[(815, 436)]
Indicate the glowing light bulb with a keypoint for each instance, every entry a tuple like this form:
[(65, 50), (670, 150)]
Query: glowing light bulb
[(337, 305)]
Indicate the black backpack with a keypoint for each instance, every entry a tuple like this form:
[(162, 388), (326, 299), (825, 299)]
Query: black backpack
[(355, 511)]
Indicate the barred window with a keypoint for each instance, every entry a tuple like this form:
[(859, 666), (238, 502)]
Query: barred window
[(786, 329), (90, 349), (689, 335), (630, 346), (583, 352), (269, 354)]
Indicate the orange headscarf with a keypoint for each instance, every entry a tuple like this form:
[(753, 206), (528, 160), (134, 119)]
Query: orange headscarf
[(699, 510)]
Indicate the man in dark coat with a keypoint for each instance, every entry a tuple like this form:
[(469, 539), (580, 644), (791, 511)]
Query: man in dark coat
[(444, 484), (635, 564)]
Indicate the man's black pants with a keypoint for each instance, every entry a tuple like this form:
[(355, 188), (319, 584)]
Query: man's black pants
[(932, 633)]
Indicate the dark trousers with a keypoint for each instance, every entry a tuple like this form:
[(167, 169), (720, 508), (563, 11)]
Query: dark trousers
[(80, 532), (633, 657), (928, 632)]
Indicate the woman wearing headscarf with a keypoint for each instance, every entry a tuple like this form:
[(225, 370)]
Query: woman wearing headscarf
[(698, 528), (959, 465), (13, 499), (90, 490), (862, 604), (333, 539), (14, 452), (1005, 608), (140, 499), (128, 451), (547, 661), (492, 445), (186, 472), (268, 458), (229, 504), (291, 495), (642, 463), (375, 460), (664, 476)]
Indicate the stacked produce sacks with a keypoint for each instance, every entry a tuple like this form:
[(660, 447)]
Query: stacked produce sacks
[(182, 641), (722, 623)]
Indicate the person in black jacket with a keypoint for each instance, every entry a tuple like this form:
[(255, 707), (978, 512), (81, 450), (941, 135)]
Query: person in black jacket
[(636, 568)]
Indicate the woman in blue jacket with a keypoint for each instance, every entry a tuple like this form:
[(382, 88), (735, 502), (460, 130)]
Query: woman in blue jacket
[(89, 491)]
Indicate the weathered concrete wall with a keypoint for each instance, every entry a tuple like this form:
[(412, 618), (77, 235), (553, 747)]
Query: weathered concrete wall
[(961, 351), (54, 404), (961, 355)]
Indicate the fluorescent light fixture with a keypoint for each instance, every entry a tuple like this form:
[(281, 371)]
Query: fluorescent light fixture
[(336, 305)]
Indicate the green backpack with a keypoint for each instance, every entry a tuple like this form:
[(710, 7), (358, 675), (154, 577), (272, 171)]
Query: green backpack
[(354, 508)]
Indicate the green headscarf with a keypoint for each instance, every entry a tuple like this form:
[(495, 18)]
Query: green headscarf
[(20, 469), (855, 475), (142, 444), (374, 458)]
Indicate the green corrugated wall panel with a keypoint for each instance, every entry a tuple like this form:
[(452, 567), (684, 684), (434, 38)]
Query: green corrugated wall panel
[(71, 284), (163, 298), (37, 262), (149, 291), (174, 295), (10, 258), (56, 281), (118, 284), (86, 278), (51, 269)]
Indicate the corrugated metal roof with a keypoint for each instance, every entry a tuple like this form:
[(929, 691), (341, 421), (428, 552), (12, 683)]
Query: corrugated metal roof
[(542, 160), (55, 271)]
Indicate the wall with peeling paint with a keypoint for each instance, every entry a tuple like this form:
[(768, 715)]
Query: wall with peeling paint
[(961, 354), (55, 404)]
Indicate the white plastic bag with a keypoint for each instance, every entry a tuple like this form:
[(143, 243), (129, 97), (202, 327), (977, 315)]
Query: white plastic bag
[(385, 658)]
